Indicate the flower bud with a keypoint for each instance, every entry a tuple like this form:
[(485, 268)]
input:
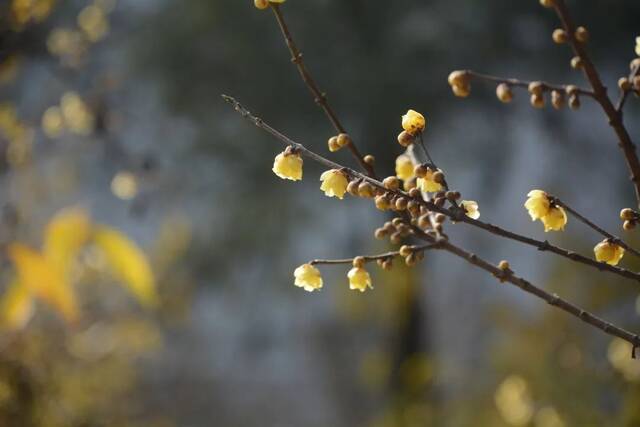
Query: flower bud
[(261, 4), (420, 171), (624, 83), (397, 221), (415, 193), (380, 233), (571, 90), (411, 183), (547, 3), (358, 262), (627, 214), (537, 101), (438, 177), (405, 138), (559, 36), (366, 190), (629, 225), (461, 91), (396, 238), (383, 203), (458, 78), (405, 251), (582, 35), (401, 203), (557, 99), (344, 139), (574, 102), (352, 187), (369, 159), (576, 63), (387, 264), (391, 183), (424, 221), (504, 93), (536, 88), (635, 63), (504, 265), (410, 260), (389, 227)]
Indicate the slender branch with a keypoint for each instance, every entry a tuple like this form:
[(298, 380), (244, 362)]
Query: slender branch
[(552, 299), (319, 96), (525, 83), (369, 258), (624, 93), (454, 214), (614, 239), (600, 94)]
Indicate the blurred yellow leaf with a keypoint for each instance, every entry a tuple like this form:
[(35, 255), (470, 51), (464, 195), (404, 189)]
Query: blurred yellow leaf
[(64, 236), (16, 306), (128, 263), (44, 280)]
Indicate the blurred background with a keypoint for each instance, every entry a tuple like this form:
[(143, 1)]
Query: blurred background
[(148, 249)]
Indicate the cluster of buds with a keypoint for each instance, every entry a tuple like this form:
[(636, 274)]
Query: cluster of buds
[(460, 83), (559, 98), (413, 124), (625, 84), (397, 229), (337, 142), (630, 218)]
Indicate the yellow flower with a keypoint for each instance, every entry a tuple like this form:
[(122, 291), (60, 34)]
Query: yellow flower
[(413, 122), (609, 252), (334, 183), (537, 204), (471, 208), (359, 279), (288, 166), (428, 184), (404, 167), (638, 46), (307, 277), (555, 219)]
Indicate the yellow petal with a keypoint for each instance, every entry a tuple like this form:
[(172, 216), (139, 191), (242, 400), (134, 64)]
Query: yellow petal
[(44, 280), (288, 166), (65, 235), (128, 263), (359, 279), (413, 122), (471, 208), (308, 277), (334, 183), (428, 184), (608, 252), (16, 306), (555, 219), (404, 167), (537, 204)]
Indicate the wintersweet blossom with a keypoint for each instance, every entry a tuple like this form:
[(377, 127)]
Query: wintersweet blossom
[(609, 252), (359, 279), (288, 166), (537, 204), (413, 122), (307, 277), (428, 182), (334, 183), (471, 208), (638, 46), (555, 220), (404, 167)]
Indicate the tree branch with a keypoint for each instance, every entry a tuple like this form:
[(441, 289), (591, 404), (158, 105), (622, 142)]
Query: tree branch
[(525, 83), (600, 94), (319, 97), (453, 214)]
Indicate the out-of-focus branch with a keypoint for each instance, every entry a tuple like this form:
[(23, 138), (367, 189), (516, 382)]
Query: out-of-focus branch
[(368, 258), (319, 96), (454, 214), (614, 115), (525, 83)]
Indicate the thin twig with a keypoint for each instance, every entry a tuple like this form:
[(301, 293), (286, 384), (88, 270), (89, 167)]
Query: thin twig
[(525, 84), (600, 94), (453, 214), (614, 239), (319, 96), (369, 258), (624, 93)]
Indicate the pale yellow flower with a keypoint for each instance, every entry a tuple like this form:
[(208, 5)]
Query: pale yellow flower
[(404, 167), (471, 208), (359, 279), (428, 184), (609, 252), (638, 46), (334, 183), (288, 166), (555, 219), (537, 204), (307, 277), (413, 122)]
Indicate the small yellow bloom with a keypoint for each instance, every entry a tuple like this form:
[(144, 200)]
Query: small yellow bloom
[(471, 208), (608, 252), (307, 277), (404, 167), (638, 46), (555, 219), (428, 183), (413, 122), (334, 183), (288, 166), (359, 279), (537, 204)]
